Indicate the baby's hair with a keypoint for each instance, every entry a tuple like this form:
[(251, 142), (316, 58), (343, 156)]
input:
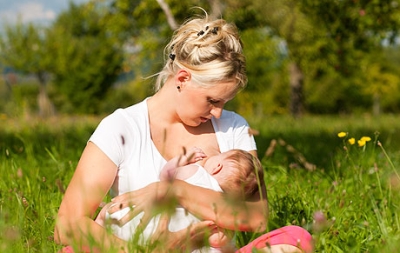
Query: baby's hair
[(243, 179), (210, 50)]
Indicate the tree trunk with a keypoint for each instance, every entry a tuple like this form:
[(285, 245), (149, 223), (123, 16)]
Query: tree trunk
[(216, 9), (376, 107), (216, 12), (296, 90), (170, 17), (46, 107)]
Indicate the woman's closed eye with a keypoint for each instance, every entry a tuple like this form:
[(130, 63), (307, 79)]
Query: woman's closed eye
[(213, 101)]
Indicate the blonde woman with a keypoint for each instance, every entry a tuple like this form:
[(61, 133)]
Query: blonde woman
[(204, 69)]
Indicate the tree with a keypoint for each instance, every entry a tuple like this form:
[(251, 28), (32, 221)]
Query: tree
[(381, 83), (356, 31), (325, 42), (328, 39), (87, 57), (24, 48), (288, 22)]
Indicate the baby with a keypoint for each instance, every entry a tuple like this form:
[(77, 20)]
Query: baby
[(235, 172)]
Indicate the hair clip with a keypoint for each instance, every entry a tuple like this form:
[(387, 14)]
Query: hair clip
[(206, 28), (215, 30), (200, 33), (172, 56)]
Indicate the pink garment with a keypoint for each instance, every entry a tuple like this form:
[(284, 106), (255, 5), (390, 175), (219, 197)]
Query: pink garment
[(66, 249), (69, 249), (292, 235)]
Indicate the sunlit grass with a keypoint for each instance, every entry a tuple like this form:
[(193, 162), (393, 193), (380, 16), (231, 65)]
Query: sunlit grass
[(349, 202)]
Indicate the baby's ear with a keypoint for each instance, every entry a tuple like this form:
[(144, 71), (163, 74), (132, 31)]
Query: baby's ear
[(217, 169)]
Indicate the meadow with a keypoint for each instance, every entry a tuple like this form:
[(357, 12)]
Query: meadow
[(346, 194)]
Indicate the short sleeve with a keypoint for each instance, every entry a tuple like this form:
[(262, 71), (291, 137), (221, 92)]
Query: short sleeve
[(233, 132), (109, 136)]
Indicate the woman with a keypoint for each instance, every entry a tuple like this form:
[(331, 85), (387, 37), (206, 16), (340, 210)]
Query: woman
[(204, 70)]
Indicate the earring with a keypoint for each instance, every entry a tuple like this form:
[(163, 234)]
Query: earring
[(178, 87)]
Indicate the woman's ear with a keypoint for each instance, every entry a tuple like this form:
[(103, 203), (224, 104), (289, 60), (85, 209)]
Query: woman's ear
[(182, 77), (217, 169)]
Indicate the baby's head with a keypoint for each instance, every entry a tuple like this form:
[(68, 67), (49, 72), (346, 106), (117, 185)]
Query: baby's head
[(240, 173)]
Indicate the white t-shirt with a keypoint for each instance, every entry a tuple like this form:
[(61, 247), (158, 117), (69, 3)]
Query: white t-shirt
[(124, 136)]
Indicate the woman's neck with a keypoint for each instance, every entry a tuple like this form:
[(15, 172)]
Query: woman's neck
[(162, 107)]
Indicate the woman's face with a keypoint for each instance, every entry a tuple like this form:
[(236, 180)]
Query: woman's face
[(198, 105)]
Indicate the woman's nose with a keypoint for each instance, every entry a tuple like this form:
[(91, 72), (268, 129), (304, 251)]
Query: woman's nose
[(216, 112)]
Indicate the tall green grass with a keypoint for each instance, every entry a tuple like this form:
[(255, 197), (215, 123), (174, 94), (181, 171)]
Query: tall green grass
[(37, 160), (348, 199)]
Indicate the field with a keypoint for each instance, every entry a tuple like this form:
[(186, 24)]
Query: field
[(346, 195)]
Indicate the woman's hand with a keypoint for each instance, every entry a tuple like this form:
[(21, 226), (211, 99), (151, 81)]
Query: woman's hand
[(152, 199)]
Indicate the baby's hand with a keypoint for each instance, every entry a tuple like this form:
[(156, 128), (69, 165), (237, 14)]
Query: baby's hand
[(195, 154)]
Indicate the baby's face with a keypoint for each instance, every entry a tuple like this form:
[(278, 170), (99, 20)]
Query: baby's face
[(216, 161)]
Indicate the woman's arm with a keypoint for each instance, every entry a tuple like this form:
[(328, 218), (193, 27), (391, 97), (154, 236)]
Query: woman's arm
[(91, 181), (204, 203), (225, 212)]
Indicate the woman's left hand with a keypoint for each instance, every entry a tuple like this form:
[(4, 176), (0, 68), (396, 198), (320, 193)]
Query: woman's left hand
[(147, 200)]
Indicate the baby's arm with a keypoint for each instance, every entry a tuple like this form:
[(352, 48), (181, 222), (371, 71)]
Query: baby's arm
[(174, 167)]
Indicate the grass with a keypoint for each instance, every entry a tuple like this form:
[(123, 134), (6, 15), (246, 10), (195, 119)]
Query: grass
[(349, 201)]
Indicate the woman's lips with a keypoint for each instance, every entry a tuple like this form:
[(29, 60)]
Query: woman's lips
[(203, 119)]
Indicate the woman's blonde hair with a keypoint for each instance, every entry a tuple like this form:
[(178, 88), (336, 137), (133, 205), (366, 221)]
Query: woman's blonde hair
[(210, 50)]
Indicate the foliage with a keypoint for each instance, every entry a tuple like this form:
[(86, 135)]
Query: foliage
[(265, 93), (23, 47), (354, 32), (329, 40), (382, 83), (125, 94), (345, 51), (87, 58)]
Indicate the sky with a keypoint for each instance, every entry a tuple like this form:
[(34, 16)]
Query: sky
[(37, 11)]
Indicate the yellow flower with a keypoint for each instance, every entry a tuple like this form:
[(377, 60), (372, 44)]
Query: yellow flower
[(365, 138), (352, 141), (361, 142), (342, 134)]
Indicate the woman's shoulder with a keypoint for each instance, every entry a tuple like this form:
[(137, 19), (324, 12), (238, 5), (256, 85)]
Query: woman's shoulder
[(231, 119), (125, 120), (134, 112), (232, 131)]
